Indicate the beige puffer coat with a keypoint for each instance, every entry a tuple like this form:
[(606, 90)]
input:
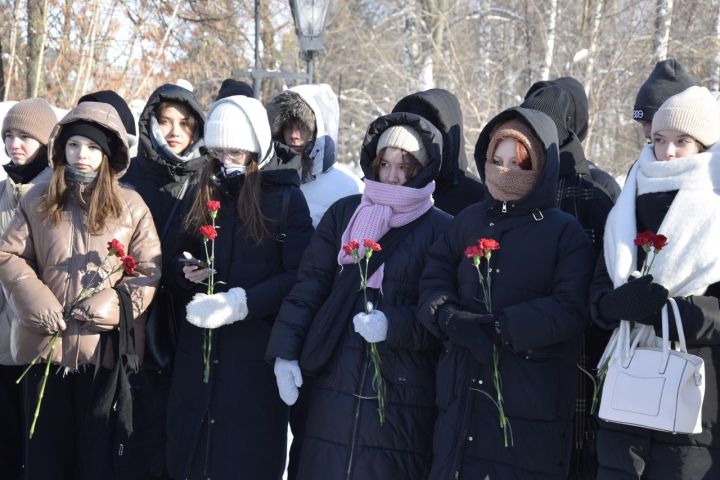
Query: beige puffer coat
[(10, 194), (43, 268)]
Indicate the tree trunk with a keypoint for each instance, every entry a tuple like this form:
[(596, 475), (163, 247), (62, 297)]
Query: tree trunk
[(36, 33), (715, 64), (549, 41), (663, 19)]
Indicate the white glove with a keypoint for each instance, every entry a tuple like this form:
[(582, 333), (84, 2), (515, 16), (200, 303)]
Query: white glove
[(289, 379), (218, 309), (372, 326)]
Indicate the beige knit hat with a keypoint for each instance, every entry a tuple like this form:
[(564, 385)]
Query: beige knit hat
[(693, 112), (404, 138), (33, 116)]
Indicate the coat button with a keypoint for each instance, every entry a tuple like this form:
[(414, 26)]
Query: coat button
[(216, 361), (212, 420), (492, 224), (470, 439)]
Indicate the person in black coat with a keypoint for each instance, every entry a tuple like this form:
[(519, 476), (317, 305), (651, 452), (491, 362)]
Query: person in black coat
[(321, 338), (531, 324), (583, 194), (227, 422), (671, 190), (163, 176), (456, 188)]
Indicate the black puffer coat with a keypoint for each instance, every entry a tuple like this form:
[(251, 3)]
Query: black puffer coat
[(163, 184), (237, 418), (456, 188), (540, 280), (633, 453), (342, 435)]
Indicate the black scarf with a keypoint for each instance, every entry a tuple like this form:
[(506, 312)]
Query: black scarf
[(21, 174)]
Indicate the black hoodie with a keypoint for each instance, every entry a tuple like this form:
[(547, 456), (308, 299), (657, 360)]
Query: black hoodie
[(456, 188)]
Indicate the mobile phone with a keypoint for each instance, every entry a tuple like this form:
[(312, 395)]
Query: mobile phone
[(192, 261)]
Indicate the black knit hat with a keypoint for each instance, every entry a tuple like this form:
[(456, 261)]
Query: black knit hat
[(112, 98), (103, 137), (668, 78), (232, 87), (564, 100)]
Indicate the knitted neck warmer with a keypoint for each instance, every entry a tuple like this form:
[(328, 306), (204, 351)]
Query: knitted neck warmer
[(382, 208), (503, 183), (79, 177)]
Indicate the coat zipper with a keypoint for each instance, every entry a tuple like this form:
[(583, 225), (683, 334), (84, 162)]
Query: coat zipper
[(460, 445), (504, 207), (358, 403)]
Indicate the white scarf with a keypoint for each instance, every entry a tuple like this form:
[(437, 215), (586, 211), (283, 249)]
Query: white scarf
[(691, 260)]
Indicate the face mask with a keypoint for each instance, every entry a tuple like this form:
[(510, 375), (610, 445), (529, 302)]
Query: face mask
[(233, 170)]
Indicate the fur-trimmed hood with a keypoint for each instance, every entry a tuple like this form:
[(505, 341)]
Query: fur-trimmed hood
[(316, 107), (105, 116)]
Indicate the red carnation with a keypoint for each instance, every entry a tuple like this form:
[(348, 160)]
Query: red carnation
[(473, 251), (116, 248), (372, 245), (488, 245), (659, 242), (208, 232), (212, 205), (129, 264), (644, 239), (351, 246)]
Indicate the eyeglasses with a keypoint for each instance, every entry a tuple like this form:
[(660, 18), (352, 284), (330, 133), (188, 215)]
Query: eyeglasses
[(232, 155)]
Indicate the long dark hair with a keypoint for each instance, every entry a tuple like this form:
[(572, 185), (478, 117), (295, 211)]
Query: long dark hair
[(248, 202), (104, 199)]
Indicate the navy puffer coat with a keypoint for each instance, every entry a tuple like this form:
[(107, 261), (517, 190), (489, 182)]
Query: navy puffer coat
[(540, 278), (342, 436)]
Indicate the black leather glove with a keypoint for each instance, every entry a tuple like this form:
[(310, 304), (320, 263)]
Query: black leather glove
[(474, 331), (636, 300)]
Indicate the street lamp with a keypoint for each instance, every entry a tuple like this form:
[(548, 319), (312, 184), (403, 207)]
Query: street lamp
[(310, 17)]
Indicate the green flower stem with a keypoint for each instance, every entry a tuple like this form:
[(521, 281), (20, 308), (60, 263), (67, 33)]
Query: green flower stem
[(378, 381), (207, 337), (44, 382)]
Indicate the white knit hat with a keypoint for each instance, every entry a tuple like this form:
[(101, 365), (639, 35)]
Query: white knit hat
[(692, 112), (405, 138), (238, 123)]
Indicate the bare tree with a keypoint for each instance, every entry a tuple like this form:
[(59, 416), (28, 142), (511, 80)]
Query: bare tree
[(549, 40), (663, 20), (36, 34)]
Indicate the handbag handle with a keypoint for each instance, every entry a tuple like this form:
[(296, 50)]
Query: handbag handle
[(665, 333)]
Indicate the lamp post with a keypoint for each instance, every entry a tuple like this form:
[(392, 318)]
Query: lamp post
[(310, 17)]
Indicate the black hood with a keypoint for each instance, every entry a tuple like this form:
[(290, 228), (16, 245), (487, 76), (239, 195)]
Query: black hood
[(431, 138), (564, 100), (442, 109), (543, 194), (169, 93)]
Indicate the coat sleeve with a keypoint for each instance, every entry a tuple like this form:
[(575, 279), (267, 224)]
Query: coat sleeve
[(263, 299), (34, 303), (558, 317), (102, 310), (438, 284), (405, 332), (700, 316), (315, 278), (600, 286)]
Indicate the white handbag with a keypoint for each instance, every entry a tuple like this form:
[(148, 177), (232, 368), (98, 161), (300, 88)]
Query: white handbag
[(654, 386)]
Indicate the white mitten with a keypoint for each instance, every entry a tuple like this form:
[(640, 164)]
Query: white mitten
[(216, 310), (372, 326), (289, 379)]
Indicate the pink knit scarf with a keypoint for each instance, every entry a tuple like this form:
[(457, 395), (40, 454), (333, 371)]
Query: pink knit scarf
[(382, 208)]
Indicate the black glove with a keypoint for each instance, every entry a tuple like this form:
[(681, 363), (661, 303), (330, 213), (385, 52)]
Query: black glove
[(636, 300), (474, 331)]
